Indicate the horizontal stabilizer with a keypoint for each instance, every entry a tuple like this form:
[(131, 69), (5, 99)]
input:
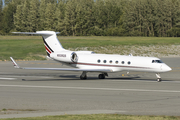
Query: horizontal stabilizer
[(37, 33)]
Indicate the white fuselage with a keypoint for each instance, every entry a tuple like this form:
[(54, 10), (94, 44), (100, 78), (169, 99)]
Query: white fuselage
[(116, 62)]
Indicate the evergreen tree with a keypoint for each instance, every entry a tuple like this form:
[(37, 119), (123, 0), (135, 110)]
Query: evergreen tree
[(42, 10), (89, 17), (149, 13), (1, 6), (84, 17), (32, 17), (21, 16), (17, 2), (140, 17), (80, 21), (18, 18), (70, 18), (162, 16), (50, 16), (8, 20), (52, 1), (60, 14), (99, 16), (114, 13), (6, 2), (175, 19), (128, 17), (25, 13)]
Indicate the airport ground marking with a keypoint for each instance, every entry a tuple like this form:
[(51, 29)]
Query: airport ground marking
[(141, 81), (88, 88), (7, 78)]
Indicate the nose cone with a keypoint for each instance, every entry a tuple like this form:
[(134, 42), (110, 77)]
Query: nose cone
[(166, 68)]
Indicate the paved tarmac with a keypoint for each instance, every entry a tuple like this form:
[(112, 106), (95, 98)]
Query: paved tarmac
[(30, 93)]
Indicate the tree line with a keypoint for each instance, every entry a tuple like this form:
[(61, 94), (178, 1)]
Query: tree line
[(92, 17)]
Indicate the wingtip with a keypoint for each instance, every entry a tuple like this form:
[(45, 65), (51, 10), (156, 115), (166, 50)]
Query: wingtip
[(14, 63)]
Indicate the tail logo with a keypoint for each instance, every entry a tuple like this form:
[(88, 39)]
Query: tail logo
[(48, 49)]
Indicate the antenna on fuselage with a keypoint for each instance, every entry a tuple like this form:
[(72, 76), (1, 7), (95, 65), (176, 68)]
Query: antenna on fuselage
[(130, 54)]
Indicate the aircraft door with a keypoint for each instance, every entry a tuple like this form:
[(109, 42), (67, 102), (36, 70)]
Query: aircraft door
[(161, 67)]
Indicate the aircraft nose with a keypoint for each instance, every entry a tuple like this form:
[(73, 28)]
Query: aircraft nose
[(166, 68), (169, 68)]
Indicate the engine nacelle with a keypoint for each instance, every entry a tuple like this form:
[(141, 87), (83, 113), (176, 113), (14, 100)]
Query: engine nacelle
[(66, 56)]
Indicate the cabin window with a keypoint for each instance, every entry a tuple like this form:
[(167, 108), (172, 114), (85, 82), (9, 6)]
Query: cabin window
[(122, 62), (104, 61), (157, 61), (129, 63), (99, 61), (116, 62), (110, 61)]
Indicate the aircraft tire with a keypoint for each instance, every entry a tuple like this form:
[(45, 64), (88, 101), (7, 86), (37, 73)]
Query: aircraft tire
[(101, 76), (83, 78), (159, 80)]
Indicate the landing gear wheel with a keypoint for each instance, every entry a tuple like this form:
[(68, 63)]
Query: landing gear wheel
[(83, 78), (158, 77), (83, 75), (101, 76), (159, 80)]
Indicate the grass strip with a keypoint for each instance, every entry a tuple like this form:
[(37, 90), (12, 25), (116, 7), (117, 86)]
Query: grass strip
[(74, 42), (98, 117), (32, 48)]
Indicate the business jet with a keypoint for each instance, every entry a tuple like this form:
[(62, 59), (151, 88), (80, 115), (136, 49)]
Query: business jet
[(88, 61)]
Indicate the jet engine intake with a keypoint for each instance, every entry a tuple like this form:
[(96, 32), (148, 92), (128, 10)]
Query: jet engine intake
[(74, 57)]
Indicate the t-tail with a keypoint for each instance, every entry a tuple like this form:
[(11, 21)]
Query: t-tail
[(50, 39)]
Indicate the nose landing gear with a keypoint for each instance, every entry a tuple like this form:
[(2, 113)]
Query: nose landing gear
[(158, 77)]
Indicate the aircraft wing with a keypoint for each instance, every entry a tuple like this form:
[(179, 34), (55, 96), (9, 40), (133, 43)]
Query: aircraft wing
[(60, 69)]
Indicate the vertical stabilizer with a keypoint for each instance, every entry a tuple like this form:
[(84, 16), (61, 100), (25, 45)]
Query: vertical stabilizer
[(50, 39)]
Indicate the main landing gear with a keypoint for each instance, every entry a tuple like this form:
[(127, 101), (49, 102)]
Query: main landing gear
[(102, 76), (158, 77), (83, 76)]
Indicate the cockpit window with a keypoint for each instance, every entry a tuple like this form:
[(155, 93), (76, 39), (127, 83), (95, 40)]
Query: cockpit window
[(157, 61)]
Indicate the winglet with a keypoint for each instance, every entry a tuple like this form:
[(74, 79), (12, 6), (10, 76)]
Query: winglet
[(14, 63)]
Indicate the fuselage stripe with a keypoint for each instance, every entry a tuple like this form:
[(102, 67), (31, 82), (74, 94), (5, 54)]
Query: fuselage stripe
[(111, 65), (48, 50)]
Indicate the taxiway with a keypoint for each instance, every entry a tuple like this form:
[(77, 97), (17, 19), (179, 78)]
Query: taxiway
[(29, 93)]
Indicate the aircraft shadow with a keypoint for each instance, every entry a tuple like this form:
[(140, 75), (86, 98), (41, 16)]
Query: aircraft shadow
[(76, 77)]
